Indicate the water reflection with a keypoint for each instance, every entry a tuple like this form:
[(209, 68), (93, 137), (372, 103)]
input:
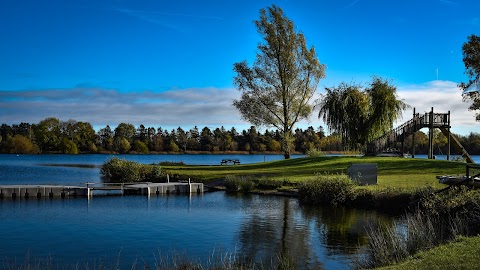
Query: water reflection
[(313, 237)]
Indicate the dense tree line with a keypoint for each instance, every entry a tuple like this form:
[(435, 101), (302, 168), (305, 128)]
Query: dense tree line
[(71, 137)]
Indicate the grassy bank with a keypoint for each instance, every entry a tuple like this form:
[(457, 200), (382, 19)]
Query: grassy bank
[(460, 254), (392, 172)]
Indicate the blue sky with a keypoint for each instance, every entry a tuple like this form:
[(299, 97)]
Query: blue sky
[(169, 63)]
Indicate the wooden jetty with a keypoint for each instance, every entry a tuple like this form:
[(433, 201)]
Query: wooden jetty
[(144, 188), (428, 120)]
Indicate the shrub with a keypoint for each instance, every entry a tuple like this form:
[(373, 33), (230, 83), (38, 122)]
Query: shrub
[(267, 183), (239, 183), (327, 190), (247, 185), (172, 163), (154, 173), (232, 183), (120, 170), (315, 152)]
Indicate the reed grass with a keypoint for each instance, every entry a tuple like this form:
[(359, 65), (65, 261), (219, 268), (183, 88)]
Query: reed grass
[(218, 260), (442, 218), (462, 253)]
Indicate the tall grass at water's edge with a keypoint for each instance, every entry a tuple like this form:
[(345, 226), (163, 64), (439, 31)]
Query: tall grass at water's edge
[(441, 218), (174, 261), (462, 253)]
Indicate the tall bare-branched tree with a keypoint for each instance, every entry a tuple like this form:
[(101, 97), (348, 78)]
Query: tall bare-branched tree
[(361, 115), (471, 59), (277, 90)]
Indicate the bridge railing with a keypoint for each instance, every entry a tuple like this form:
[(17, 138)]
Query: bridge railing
[(406, 129)]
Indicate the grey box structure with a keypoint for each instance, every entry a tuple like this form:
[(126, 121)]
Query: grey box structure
[(363, 173)]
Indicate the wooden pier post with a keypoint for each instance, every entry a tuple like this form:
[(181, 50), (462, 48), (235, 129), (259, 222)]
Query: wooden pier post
[(448, 137), (430, 135), (413, 134)]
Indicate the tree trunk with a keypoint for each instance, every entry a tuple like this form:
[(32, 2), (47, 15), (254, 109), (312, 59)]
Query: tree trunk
[(285, 144)]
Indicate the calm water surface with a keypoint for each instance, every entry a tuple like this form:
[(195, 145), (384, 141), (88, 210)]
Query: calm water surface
[(141, 229), (138, 228)]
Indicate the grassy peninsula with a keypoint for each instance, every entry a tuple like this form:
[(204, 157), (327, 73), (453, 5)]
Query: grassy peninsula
[(392, 172)]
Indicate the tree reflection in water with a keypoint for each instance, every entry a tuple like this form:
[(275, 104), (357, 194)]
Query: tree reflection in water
[(312, 237)]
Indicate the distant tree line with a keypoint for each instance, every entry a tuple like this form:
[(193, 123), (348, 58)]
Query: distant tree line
[(72, 137)]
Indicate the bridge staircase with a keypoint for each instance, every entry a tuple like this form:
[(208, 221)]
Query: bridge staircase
[(429, 120)]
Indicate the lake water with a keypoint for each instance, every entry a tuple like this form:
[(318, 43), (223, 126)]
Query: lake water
[(145, 229), (32, 169), (142, 229)]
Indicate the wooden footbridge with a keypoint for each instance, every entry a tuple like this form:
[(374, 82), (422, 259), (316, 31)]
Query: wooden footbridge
[(428, 120)]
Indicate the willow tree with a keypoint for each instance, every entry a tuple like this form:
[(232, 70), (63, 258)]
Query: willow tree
[(471, 60), (361, 115), (277, 90)]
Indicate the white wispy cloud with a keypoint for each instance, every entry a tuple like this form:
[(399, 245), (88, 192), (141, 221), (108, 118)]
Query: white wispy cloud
[(443, 96), (187, 107)]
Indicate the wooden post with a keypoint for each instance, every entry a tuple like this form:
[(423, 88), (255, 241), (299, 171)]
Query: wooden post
[(448, 138), (413, 134), (430, 135)]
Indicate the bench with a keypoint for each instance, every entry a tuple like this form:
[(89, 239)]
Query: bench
[(228, 161)]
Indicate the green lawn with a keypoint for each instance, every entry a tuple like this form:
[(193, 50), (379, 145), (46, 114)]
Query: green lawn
[(392, 172), (461, 254)]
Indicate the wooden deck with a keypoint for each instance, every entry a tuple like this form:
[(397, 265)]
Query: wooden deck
[(50, 191)]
